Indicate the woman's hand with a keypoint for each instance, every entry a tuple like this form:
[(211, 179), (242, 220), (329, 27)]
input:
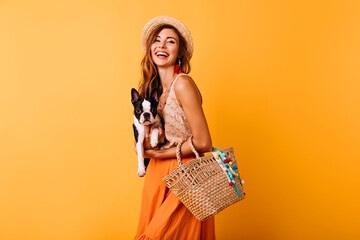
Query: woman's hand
[(148, 153)]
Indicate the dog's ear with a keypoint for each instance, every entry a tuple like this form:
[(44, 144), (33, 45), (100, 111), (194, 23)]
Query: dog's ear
[(155, 95), (134, 95)]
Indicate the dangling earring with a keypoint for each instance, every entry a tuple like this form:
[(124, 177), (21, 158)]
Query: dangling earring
[(178, 67)]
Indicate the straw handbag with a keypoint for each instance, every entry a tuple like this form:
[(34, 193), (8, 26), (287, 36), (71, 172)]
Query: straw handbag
[(206, 185)]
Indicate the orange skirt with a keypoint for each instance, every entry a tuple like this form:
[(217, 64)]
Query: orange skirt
[(162, 215)]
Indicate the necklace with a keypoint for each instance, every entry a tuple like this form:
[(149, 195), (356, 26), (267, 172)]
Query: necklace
[(164, 98)]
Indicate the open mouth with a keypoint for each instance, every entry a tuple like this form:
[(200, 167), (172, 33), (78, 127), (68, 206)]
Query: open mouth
[(161, 55)]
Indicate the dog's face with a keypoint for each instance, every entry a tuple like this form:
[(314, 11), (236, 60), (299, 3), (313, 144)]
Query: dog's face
[(145, 110)]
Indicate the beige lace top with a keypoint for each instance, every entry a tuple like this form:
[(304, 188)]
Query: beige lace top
[(176, 124)]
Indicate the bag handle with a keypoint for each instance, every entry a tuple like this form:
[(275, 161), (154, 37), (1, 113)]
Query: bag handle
[(178, 149)]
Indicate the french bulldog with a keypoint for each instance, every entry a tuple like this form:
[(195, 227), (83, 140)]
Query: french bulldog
[(145, 113)]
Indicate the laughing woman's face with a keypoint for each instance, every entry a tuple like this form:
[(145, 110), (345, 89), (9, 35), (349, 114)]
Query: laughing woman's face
[(165, 48)]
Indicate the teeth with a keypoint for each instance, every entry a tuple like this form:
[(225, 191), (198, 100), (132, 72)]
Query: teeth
[(163, 54)]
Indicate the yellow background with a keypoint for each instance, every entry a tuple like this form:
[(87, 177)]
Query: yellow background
[(280, 83)]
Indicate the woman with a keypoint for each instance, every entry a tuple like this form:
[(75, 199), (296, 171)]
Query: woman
[(168, 48)]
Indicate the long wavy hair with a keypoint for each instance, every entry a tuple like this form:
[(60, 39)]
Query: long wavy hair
[(150, 78)]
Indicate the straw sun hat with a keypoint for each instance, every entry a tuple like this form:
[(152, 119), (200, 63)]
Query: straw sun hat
[(162, 20)]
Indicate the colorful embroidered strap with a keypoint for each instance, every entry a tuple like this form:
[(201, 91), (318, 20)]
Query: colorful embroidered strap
[(228, 167)]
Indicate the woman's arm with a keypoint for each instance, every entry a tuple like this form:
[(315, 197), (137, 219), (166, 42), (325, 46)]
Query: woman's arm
[(189, 98)]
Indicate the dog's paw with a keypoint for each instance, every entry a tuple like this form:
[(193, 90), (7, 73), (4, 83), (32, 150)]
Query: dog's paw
[(141, 172), (154, 138), (154, 142)]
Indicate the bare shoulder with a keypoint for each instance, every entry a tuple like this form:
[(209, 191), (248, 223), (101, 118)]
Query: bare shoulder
[(184, 83), (185, 87)]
